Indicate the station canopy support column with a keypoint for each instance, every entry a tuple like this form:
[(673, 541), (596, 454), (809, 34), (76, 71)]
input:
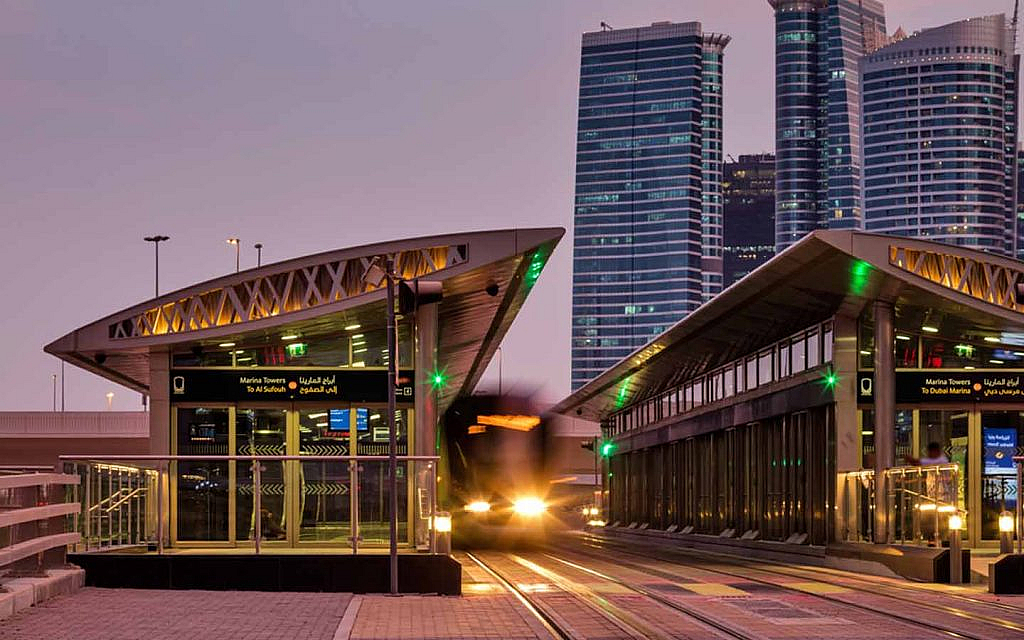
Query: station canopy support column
[(885, 412)]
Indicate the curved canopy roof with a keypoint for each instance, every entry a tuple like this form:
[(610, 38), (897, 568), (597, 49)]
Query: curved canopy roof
[(321, 293), (825, 273)]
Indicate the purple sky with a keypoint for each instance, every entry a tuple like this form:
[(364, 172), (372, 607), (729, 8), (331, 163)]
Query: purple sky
[(306, 126)]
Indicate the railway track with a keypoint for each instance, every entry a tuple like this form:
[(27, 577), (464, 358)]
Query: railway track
[(1002, 628), (508, 570)]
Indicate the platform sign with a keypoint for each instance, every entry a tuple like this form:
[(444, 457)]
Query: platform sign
[(232, 385), (1000, 445), (947, 386)]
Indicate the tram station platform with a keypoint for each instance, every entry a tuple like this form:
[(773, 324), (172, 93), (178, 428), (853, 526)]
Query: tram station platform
[(298, 570)]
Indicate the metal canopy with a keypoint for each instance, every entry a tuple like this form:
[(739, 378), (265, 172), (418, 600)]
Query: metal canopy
[(824, 274), (322, 293)]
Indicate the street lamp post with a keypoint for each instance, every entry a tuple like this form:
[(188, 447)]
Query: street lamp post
[(55, 393), (238, 252), (392, 427), (259, 254), (156, 240)]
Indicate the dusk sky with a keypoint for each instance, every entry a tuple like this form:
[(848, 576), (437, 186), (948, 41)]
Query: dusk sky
[(307, 126)]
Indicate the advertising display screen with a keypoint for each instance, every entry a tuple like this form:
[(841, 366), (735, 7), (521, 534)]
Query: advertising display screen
[(1000, 444)]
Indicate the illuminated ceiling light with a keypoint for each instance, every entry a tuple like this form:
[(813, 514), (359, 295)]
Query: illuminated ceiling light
[(352, 327), (359, 350), (321, 424), (865, 353), (358, 343), (356, 336), (314, 416), (991, 339), (929, 329), (359, 364), (903, 337), (246, 359), (968, 367), (290, 336), (995, 361), (225, 345), (375, 416)]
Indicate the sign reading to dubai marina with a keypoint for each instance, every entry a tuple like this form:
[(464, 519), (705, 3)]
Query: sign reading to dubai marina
[(948, 386)]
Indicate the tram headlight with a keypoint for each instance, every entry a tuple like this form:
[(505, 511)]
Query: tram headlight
[(530, 507), (478, 506)]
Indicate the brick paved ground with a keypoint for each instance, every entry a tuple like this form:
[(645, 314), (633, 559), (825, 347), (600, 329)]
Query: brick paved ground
[(130, 614), (436, 618)]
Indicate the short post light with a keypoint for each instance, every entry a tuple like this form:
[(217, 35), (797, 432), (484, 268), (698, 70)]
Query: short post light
[(956, 525), (1006, 527), (443, 531)]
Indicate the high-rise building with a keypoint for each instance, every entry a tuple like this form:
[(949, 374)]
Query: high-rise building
[(1020, 201), (817, 138), (940, 135), (648, 201), (748, 216)]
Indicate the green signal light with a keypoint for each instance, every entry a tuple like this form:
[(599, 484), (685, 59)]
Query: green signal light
[(607, 448), (439, 379), (830, 380)]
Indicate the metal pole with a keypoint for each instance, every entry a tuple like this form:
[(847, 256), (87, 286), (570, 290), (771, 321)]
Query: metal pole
[(62, 386), (392, 427), (353, 504), (160, 509), (955, 557), (55, 393), (433, 506), (257, 503), (1020, 513), (156, 270)]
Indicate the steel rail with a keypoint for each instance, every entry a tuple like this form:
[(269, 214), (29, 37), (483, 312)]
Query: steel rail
[(873, 588), (746, 576), (707, 620), (549, 623)]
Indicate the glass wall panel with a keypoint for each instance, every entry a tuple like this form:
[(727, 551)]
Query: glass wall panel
[(260, 432), (202, 487), (324, 485), (813, 351), (764, 367), (1002, 433), (798, 355), (373, 484)]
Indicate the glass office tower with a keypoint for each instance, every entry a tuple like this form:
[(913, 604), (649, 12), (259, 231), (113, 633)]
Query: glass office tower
[(648, 195), (817, 119), (940, 135)]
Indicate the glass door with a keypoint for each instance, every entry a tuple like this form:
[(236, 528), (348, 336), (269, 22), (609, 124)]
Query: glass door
[(323, 493), (1002, 433), (262, 432), (201, 496)]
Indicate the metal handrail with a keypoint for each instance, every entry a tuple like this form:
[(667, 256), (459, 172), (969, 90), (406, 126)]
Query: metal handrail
[(256, 460)]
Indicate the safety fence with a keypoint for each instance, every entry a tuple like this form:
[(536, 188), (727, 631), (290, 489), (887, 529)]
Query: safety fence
[(250, 501), (922, 504), (34, 512)]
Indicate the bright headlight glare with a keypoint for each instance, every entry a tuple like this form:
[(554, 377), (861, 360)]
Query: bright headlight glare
[(529, 506), (478, 506)]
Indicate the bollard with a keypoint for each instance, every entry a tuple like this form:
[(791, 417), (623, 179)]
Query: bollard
[(956, 523), (1006, 532), (443, 530)]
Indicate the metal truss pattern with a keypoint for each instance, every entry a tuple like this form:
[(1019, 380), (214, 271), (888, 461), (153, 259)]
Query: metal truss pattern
[(992, 283), (279, 293)]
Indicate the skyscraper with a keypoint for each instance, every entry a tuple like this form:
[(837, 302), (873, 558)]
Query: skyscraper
[(817, 119), (648, 201), (748, 215), (940, 135)]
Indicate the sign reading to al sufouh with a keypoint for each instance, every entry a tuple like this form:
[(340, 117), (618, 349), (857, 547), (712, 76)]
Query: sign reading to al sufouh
[(948, 386), (350, 385)]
